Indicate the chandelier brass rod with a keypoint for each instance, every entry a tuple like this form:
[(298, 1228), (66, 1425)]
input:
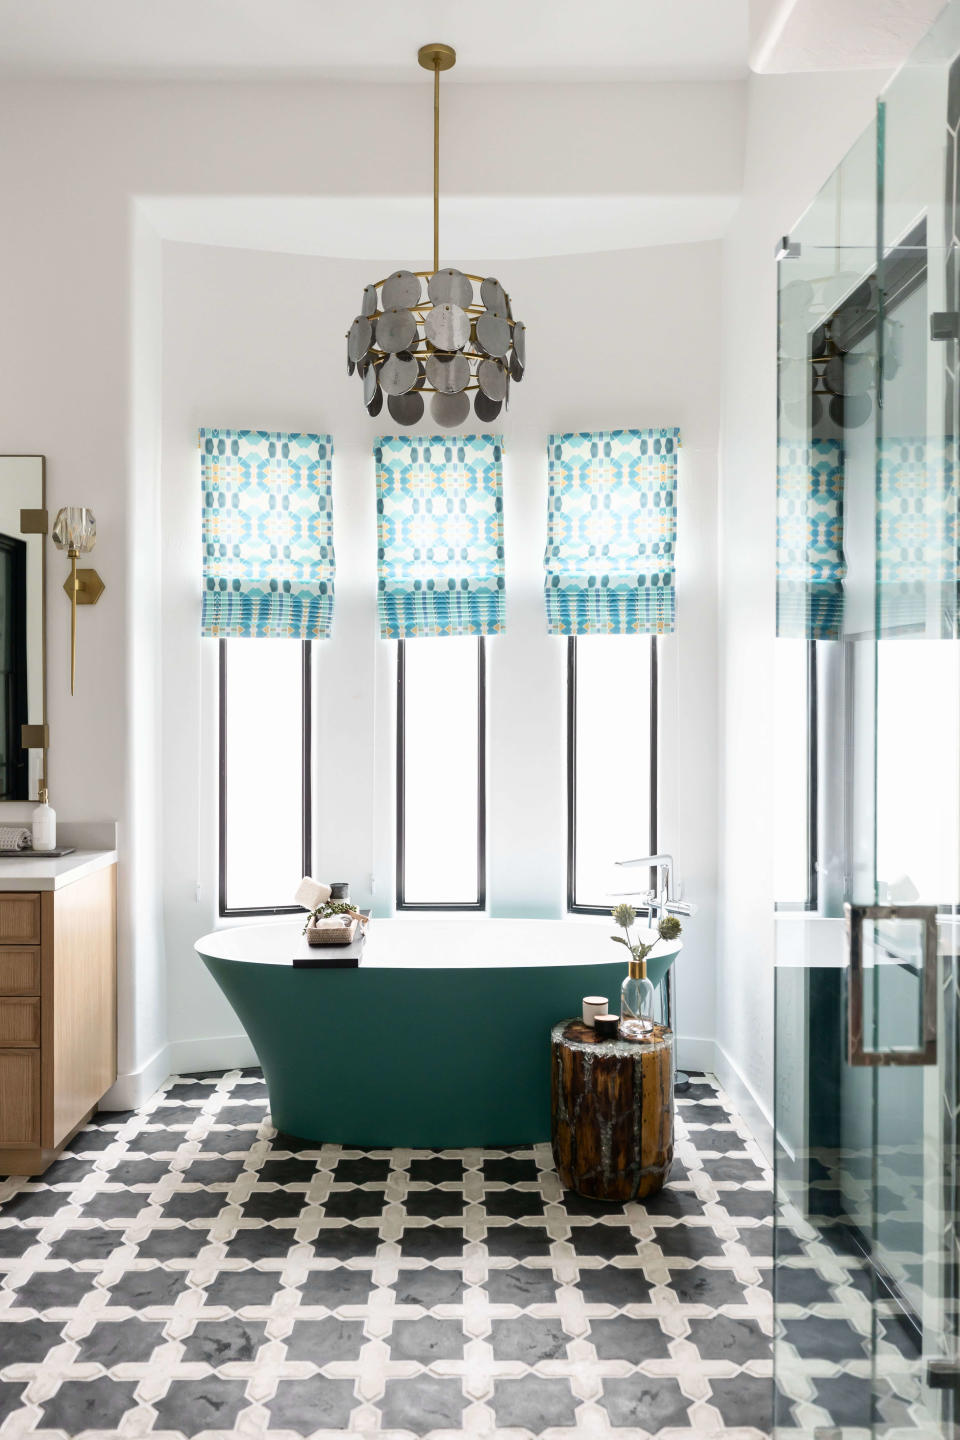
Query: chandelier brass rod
[(436, 163)]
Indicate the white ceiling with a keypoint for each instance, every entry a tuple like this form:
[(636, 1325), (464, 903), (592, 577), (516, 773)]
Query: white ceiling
[(377, 40), (474, 230), (794, 35)]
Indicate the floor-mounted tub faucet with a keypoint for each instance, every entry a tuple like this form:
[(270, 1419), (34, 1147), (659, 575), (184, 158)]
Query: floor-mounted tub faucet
[(658, 903)]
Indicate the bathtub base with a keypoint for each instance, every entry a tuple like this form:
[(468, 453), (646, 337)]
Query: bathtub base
[(419, 1058)]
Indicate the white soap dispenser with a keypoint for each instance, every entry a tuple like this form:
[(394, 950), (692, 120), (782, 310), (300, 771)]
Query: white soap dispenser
[(44, 823)]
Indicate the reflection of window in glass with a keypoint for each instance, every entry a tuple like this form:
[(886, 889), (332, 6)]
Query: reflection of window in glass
[(791, 867), (264, 773), (611, 757), (440, 774), (918, 721)]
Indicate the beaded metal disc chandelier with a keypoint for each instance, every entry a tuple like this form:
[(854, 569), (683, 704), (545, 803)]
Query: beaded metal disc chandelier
[(406, 345)]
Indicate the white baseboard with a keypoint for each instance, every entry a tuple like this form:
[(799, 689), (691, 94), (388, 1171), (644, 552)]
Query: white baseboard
[(695, 1053), (745, 1100), (217, 1052), (230, 1052), (136, 1086)]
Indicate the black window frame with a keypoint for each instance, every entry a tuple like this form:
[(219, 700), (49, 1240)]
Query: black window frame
[(573, 908), (481, 902), (228, 912)]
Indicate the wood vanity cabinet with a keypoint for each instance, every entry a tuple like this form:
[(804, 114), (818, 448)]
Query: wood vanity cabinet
[(58, 1007)]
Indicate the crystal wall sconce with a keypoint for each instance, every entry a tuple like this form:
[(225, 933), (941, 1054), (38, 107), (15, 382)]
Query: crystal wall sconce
[(75, 530)]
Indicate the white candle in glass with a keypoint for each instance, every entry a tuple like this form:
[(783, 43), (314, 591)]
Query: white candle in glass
[(594, 1005)]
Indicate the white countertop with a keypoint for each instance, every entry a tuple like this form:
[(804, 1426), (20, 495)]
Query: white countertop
[(35, 872)]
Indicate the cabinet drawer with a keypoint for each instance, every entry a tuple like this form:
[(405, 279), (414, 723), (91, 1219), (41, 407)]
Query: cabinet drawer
[(19, 1021), (19, 1097), (19, 971), (19, 918)]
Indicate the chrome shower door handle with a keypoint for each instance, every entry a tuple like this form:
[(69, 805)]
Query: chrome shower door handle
[(926, 1052)]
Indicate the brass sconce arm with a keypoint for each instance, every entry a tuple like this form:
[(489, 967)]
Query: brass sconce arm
[(75, 531)]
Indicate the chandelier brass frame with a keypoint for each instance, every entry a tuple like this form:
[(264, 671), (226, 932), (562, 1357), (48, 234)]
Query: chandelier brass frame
[(448, 344)]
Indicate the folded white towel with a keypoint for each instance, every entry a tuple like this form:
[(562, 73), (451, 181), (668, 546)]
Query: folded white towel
[(311, 893), (15, 837)]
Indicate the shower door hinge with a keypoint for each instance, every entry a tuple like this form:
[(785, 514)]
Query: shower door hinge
[(945, 325), (943, 1374), (786, 249)]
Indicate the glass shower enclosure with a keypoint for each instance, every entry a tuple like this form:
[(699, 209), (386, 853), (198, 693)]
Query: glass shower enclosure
[(867, 1096)]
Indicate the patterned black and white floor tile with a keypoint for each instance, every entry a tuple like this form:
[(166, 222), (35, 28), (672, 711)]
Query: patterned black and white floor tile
[(848, 1353), (185, 1270)]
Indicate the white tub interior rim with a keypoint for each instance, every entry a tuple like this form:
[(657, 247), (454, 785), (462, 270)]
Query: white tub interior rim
[(441, 941)]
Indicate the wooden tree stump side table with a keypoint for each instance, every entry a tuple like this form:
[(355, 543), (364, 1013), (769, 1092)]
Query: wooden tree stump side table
[(612, 1113)]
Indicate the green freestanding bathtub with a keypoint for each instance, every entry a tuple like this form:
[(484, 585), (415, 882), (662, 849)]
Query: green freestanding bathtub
[(440, 1039)]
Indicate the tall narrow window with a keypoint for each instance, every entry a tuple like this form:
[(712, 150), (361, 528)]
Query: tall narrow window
[(268, 592), (609, 586), (441, 841), (611, 761), (440, 577), (264, 774)]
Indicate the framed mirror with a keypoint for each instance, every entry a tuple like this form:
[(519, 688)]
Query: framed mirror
[(23, 679)]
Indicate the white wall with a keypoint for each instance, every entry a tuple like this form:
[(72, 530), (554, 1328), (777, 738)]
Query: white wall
[(81, 323), (255, 339), (799, 128), (81, 297)]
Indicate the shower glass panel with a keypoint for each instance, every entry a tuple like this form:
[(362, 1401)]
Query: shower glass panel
[(866, 1090)]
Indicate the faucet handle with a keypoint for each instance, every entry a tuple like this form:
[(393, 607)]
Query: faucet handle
[(681, 907)]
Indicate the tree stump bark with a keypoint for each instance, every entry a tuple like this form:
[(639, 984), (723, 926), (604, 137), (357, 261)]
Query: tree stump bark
[(612, 1118)]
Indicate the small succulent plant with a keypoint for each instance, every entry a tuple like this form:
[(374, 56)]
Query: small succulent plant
[(668, 928)]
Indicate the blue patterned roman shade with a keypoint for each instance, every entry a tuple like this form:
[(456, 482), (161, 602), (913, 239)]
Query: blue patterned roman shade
[(611, 533), (268, 561), (811, 567), (918, 564), (440, 535)]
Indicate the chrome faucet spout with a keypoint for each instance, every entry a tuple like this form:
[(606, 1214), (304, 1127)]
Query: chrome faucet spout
[(662, 861), (657, 905)]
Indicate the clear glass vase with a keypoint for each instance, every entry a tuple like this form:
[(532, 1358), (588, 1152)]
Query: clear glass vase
[(636, 1003)]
